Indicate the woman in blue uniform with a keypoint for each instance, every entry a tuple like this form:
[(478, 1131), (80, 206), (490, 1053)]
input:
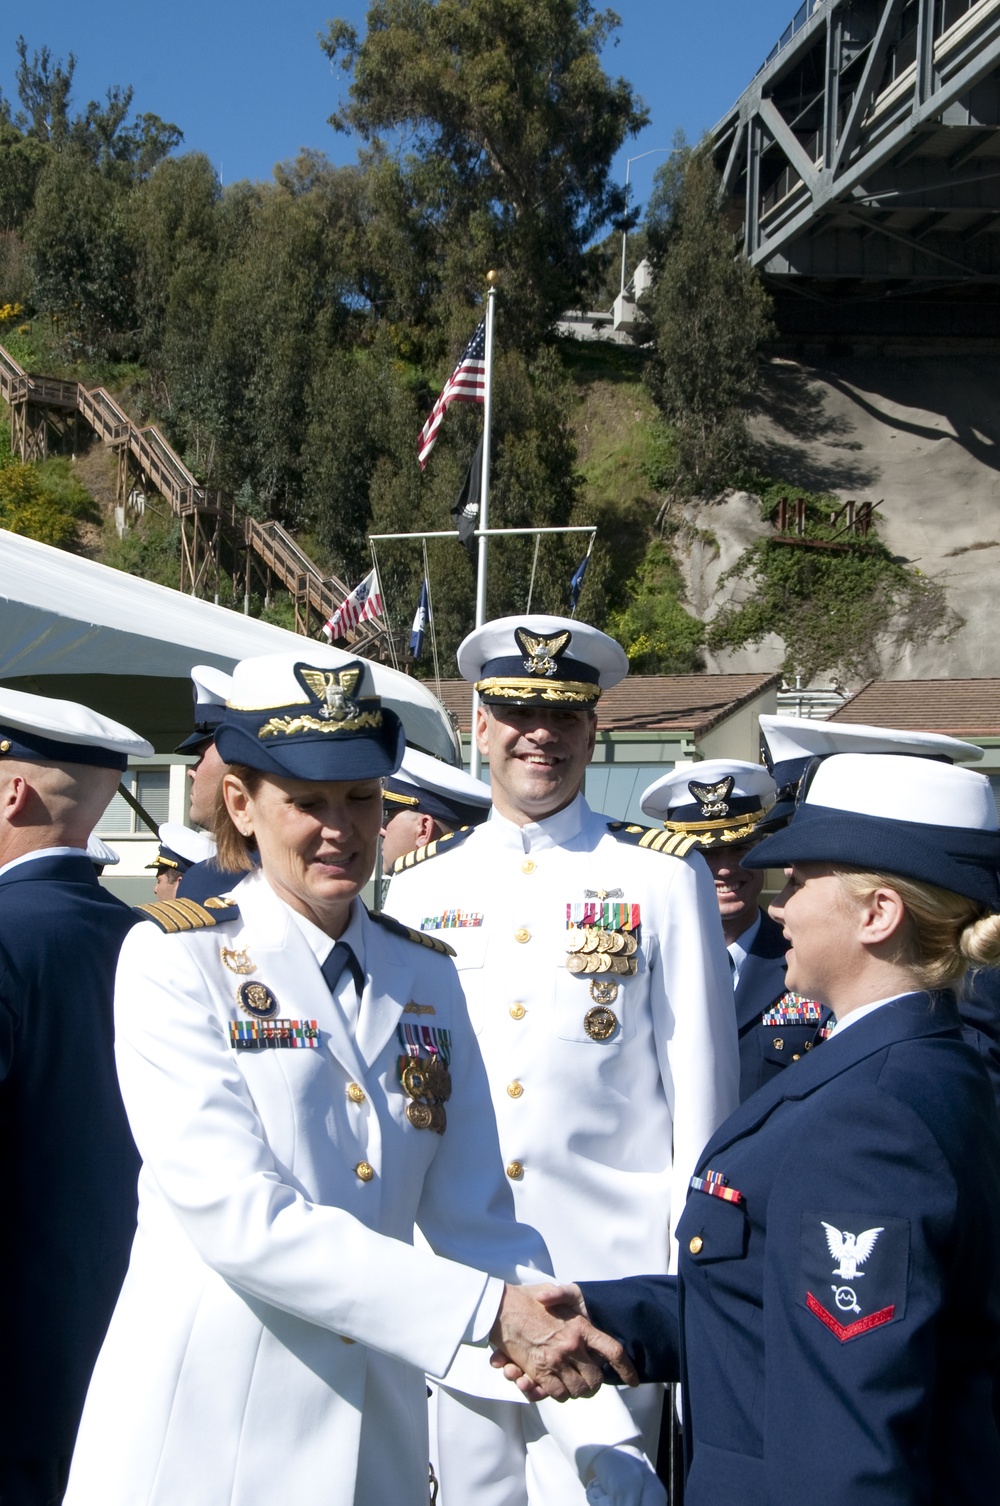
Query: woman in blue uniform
[(836, 1317)]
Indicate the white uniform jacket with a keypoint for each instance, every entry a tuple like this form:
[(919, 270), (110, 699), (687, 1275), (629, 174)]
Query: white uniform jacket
[(599, 1137), (274, 1292)]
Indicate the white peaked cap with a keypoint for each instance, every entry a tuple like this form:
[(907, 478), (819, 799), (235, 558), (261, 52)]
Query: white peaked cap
[(800, 737), (100, 852), (751, 781), (426, 773), (211, 685), (54, 730), (904, 789)]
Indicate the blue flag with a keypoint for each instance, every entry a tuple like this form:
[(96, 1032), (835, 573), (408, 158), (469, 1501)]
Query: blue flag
[(576, 584), (421, 618)]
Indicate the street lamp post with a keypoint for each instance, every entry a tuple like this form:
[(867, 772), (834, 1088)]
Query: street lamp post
[(628, 165)]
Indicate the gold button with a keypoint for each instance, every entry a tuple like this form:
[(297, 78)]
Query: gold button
[(345, 1340), (522, 934), (517, 1011), (779, 1044), (527, 866), (364, 1171), (515, 1171), (356, 1093), (809, 1045), (697, 1245), (795, 1056), (5, 746), (514, 1090)]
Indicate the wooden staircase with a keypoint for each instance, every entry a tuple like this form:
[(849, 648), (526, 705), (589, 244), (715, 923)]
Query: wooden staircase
[(46, 411)]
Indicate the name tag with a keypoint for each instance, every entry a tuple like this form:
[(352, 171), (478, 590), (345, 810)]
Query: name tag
[(263, 1035)]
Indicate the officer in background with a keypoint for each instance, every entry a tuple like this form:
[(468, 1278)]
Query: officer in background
[(211, 690), (723, 804), (596, 977), (179, 850), (424, 800), (69, 1179)]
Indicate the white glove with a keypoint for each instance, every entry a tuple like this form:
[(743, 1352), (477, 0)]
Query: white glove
[(623, 1476)]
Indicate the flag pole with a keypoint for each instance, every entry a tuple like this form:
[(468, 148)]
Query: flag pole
[(492, 278)]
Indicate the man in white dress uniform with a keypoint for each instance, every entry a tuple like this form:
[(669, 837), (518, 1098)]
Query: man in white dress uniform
[(304, 1088), (597, 979)]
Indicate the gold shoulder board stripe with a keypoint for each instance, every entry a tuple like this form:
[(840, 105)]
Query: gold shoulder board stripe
[(409, 934), (680, 844), (178, 915), (431, 850)]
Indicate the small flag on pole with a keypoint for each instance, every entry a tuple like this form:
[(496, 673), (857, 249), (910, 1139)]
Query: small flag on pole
[(465, 512), (576, 584), (467, 384), (364, 603), (421, 621)]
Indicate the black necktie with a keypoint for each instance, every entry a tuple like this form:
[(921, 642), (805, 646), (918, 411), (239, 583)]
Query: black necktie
[(340, 957)]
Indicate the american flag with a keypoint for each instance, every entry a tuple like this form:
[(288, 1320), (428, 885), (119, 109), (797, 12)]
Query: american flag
[(467, 384), (364, 602)]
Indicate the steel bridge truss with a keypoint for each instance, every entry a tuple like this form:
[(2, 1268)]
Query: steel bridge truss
[(868, 147)]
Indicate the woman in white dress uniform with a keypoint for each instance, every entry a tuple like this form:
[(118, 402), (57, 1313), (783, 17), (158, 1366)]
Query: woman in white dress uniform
[(304, 1088)]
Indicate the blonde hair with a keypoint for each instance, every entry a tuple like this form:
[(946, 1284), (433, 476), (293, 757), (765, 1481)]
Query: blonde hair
[(943, 932), (234, 851)]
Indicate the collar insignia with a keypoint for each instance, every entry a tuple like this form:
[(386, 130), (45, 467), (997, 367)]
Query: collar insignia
[(713, 798), (334, 690), (541, 654)]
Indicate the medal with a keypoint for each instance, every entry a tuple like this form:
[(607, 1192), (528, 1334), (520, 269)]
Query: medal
[(237, 962), (420, 1115), (600, 1023), (603, 990), (257, 1000), (593, 938), (576, 963), (575, 940), (604, 941)]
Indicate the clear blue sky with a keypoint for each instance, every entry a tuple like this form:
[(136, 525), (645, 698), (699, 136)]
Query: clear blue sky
[(248, 84)]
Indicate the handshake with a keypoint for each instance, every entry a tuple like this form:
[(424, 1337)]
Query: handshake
[(545, 1343)]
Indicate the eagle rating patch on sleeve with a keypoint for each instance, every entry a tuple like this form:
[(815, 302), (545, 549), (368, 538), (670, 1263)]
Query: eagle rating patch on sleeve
[(854, 1270)]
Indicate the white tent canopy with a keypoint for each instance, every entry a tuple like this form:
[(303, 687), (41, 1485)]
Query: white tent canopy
[(79, 630)]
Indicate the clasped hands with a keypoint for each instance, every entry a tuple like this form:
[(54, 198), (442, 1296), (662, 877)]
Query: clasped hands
[(545, 1343)]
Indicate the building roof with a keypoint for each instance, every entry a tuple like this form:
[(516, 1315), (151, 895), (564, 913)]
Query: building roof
[(962, 708), (692, 704)]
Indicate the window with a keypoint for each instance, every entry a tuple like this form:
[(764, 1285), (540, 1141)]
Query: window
[(151, 787)]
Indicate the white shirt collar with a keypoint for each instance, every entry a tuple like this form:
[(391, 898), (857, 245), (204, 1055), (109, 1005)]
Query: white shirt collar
[(44, 852), (552, 831), (740, 948), (855, 1015), (320, 944)]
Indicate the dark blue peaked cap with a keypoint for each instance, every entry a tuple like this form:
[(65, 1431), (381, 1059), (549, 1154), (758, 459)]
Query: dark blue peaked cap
[(309, 715), (915, 817)]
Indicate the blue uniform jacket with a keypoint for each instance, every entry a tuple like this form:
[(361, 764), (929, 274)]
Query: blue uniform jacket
[(836, 1317), (765, 1048), (979, 1006), (69, 1163), (207, 880)]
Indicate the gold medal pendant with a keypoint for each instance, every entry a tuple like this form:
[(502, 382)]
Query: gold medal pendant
[(576, 963), (420, 1115), (575, 940), (600, 1023)]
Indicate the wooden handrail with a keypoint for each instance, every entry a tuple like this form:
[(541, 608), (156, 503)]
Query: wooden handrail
[(275, 548)]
